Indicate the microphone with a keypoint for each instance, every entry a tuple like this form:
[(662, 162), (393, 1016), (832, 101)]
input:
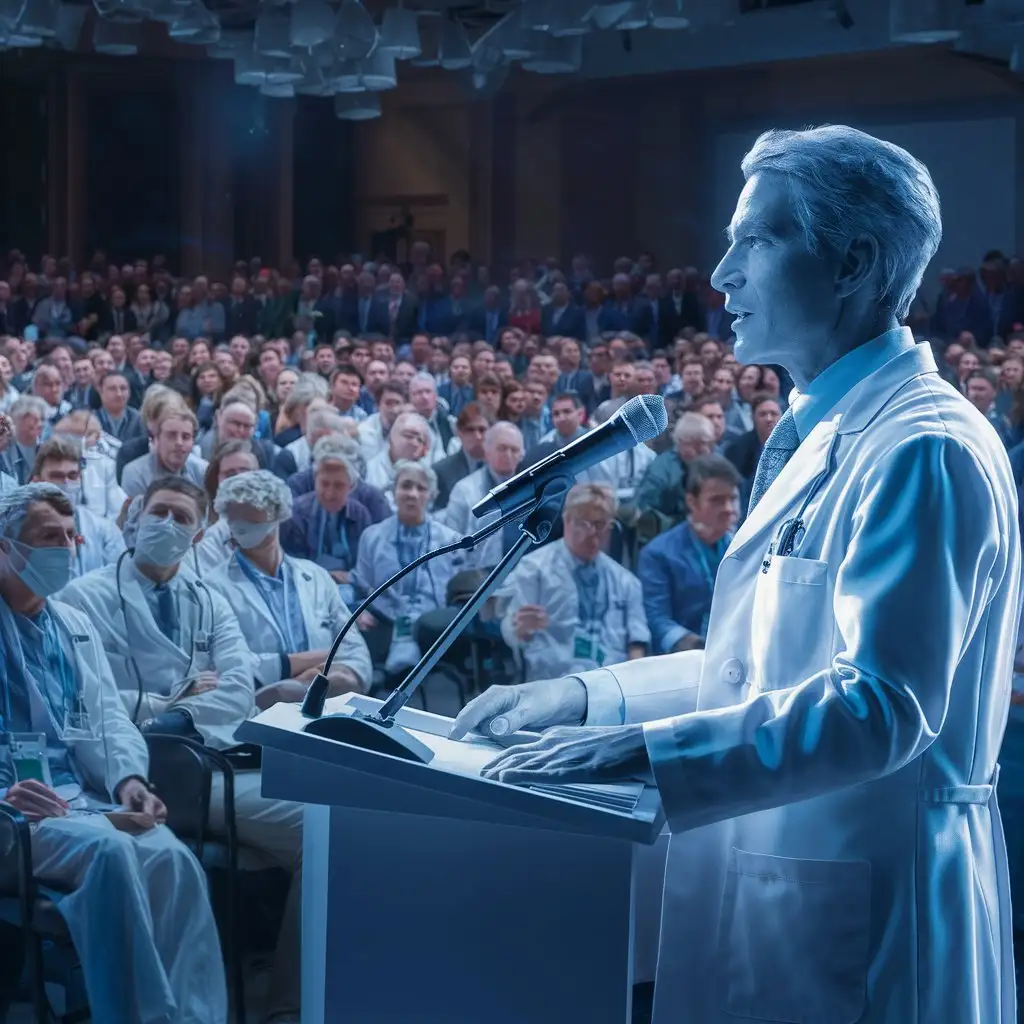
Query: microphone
[(640, 419)]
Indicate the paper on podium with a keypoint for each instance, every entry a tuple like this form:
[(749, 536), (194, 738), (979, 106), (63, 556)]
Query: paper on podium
[(469, 756)]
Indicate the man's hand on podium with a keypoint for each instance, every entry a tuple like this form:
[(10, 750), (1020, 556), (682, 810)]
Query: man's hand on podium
[(504, 710), (596, 753)]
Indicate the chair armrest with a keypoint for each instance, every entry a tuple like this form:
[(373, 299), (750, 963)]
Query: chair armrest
[(16, 877)]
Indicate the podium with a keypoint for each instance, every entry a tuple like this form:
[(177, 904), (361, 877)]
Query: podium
[(432, 896)]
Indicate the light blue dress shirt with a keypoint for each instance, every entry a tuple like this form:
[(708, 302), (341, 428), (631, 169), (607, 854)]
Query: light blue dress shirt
[(810, 407)]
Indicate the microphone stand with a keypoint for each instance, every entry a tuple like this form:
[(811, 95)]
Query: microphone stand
[(379, 731)]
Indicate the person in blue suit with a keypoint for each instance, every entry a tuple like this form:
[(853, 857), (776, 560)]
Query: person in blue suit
[(561, 316), (677, 569)]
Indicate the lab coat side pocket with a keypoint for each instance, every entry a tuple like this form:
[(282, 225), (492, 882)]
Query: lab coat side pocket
[(794, 939), (792, 623)]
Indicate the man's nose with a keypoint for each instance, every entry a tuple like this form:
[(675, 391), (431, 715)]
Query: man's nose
[(727, 276)]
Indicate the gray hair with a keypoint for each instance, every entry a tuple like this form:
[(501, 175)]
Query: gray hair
[(258, 488), (592, 494), (501, 427), (308, 387), (27, 404), (336, 449), (423, 378), (407, 466), (692, 426), (14, 506), (325, 419), (854, 185), (415, 418)]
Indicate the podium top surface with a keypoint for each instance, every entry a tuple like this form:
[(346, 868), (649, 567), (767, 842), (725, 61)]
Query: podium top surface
[(629, 811)]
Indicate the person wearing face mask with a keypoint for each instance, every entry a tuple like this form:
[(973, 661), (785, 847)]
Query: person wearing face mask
[(99, 542), (143, 895)]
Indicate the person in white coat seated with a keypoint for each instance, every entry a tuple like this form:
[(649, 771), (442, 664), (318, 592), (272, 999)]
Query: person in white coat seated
[(321, 421), (171, 453), (182, 665), (99, 541), (101, 493), (423, 398), (288, 608), (503, 451), (408, 441), (374, 430), (143, 895), (387, 547), (567, 607), (828, 765), (215, 546)]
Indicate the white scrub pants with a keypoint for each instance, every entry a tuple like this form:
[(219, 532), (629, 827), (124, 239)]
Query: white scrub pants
[(140, 917), (274, 829)]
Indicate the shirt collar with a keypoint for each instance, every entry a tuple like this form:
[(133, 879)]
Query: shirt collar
[(827, 389), (145, 583)]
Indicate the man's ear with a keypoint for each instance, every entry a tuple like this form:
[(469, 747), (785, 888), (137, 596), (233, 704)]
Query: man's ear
[(858, 265)]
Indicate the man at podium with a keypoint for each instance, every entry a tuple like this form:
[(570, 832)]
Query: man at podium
[(827, 765)]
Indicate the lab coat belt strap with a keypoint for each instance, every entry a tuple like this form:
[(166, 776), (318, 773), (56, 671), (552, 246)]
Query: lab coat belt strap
[(962, 794)]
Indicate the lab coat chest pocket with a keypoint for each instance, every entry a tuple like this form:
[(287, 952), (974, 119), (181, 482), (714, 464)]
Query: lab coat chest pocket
[(791, 626), (793, 939)]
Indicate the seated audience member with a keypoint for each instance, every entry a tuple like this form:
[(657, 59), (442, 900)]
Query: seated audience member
[(327, 523), (309, 390), (677, 569), (141, 894), (101, 493), (98, 541), (48, 385), (346, 390), (321, 419), (457, 391), (391, 545), (373, 498), (568, 420), (567, 607), (171, 454), (156, 401), (710, 407), (28, 415), (470, 428), (536, 419), (408, 441), (423, 398), (82, 394), (982, 387), (214, 548), (288, 608), (623, 471), (503, 451), (235, 420), (662, 488), (745, 451), (375, 429), (117, 419), (489, 396)]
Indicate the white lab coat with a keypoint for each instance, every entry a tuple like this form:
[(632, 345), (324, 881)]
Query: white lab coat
[(145, 896), (101, 492), (217, 646), (371, 437), (300, 451), (323, 612), (102, 539), (545, 577), (213, 550), (837, 852), (458, 515)]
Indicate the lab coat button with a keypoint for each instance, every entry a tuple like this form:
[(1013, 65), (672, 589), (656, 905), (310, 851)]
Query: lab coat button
[(732, 671)]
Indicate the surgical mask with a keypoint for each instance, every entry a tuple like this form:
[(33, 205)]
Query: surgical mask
[(162, 542), (73, 492), (44, 570), (250, 535)]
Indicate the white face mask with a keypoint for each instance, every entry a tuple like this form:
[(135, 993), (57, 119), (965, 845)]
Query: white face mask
[(73, 492), (162, 542), (249, 535)]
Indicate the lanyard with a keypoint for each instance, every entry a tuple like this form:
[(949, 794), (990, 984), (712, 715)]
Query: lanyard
[(408, 550), (264, 586), (78, 546), (593, 607), (341, 540)]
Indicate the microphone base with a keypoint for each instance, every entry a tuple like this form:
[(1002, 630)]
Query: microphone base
[(371, 733)]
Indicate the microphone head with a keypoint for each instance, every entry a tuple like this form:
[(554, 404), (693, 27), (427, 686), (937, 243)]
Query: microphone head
[(646, 417)]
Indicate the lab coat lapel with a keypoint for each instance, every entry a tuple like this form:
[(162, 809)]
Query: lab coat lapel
[(249, 595), (304, 584), (146, 640)]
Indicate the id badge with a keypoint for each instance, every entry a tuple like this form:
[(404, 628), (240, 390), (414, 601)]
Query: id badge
[(403, 627), (583, 648), (77, 725), (28, 755)]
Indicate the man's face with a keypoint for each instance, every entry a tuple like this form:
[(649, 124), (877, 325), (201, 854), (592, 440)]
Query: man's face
[(48, 386), (483, 363), (389, 406), (980, 393), (421, 350), (717, 506), (600, 361), (723, 382), (345, 391), (423, 397), (377, 374), (786, 296), (144, 361), (360, 358), (163, 365), (62, 360), (404, 373), (396, 286), (460, 371), (325, 361), (953, 354), (565, 418), (1011, 373), (472, 437), (174, 442), (45, 527), (693, 379), (622, 378), (645, 382), (690, 448), (237, 423), (114, 393), (765, 418), (60, 471), (408, 440), (115, 346), (536, 396), (239, 349), (712, 412), (84, 372), (587, 528), (490, 399), (967, 365), (545, 368), (569, 356), (27, 429), (332, 486), (504, 453)]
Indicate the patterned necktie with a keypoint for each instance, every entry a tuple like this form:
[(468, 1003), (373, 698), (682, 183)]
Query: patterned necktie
[(166, 612), (782, 442)]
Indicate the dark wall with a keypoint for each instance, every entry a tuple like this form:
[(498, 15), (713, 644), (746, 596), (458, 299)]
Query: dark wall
[(322, 172), (24, 126), (132, 197)]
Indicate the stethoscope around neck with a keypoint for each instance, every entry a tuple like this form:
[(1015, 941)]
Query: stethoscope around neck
[(193, 645)]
